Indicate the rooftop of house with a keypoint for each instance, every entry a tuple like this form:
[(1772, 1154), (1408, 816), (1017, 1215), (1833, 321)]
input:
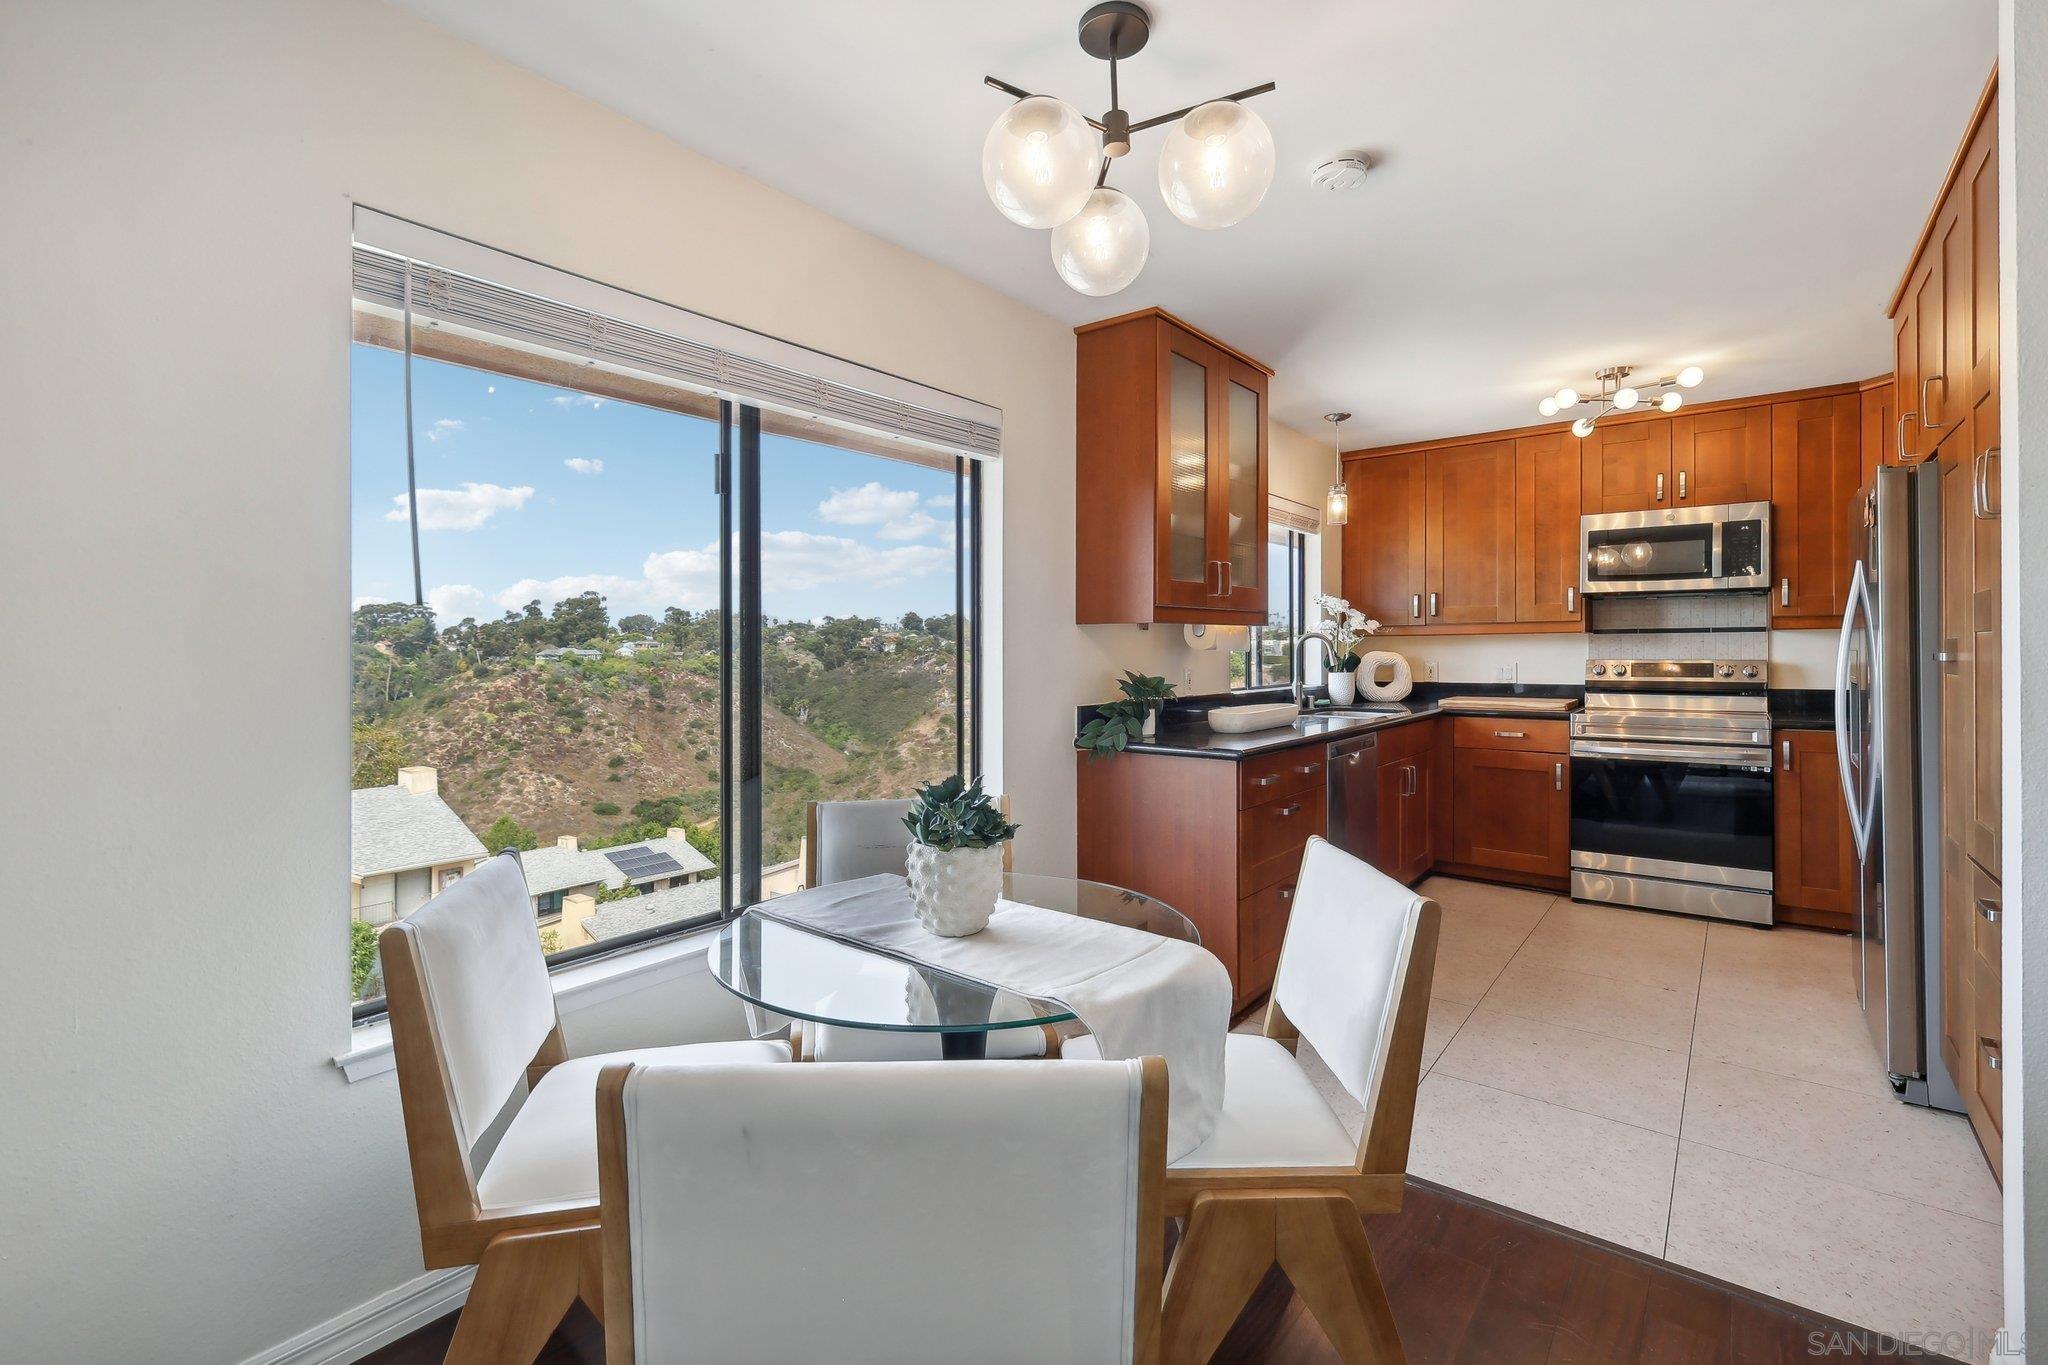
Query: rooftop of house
[(652, 909), (558, 868), (406, 825)]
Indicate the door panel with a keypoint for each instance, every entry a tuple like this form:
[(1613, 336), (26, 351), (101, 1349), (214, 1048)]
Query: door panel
[(1469, 535), (1547, 479), (1383, 556), (1875, 430), (1816, 862), (1510, 811), (1983, 837), (1927, 310), (1719, 457), (1814, 462), (1187, 574), (1902, 442), (1242, 492), (1628, 466)]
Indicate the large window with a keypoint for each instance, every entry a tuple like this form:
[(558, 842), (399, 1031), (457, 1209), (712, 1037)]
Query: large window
[(1294, 575), (631, 630)]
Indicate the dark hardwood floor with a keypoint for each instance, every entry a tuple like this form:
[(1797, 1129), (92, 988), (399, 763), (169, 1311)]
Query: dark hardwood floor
[(1470, 1282)]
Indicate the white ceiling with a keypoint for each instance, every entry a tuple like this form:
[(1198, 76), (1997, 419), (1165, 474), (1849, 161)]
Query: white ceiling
[(1731, 183)]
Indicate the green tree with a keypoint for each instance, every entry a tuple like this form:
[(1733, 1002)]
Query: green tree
[(362, 955), (580, 619), (505, 832), (617, 893), (378, 752), (637, 624)]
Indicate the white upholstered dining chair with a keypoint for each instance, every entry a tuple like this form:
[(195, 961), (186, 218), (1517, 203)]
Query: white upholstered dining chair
[(472, 1017), (943, 1211), (1280, 1180), (846, 840)]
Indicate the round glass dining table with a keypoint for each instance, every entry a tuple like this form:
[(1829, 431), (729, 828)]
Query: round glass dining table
[(777, 966)]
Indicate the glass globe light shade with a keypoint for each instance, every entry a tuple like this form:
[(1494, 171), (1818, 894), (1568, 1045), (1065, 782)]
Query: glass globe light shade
[(1605, 557), (1567, 397), (1103, 247), (1582, 428), (1337, 506), (1548, 406), (1670, 402), (1039, 162), (1690, 377), (1216, 166), (1624, 399)]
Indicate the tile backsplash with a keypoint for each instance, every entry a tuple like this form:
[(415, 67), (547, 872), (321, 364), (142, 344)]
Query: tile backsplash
[(1717, 626)]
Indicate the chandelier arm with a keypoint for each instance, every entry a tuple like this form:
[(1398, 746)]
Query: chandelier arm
[(1016, 92), (1142, 125), (1102, 176)]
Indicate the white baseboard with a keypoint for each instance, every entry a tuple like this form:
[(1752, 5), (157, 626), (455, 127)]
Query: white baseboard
[(384, 1319)]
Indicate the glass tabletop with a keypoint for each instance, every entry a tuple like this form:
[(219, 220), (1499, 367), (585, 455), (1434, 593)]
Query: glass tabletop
[(805, 975)]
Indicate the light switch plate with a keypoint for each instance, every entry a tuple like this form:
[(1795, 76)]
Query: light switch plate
[(1429, 670), (1504, 673)]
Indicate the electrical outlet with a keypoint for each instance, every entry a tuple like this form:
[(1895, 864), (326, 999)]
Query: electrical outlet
[(1504, 673), (1187, 676), (1429, 670)]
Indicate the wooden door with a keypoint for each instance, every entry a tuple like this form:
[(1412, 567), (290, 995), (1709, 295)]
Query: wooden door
[(1628, 466), (1393, 807), (1382, 548), (1984, 1095), (1982, 836), (1815, 457), (1469, 534), (1187, 572), (1417, 848), (1957, 764), (1547, 479), (1720, 457), (1510, 811), (1929, 331), (1901, 444), (1237, 489), (1816, 872), (1874, 421)]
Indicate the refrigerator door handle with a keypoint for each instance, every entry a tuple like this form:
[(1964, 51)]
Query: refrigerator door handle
[(1859, 809)]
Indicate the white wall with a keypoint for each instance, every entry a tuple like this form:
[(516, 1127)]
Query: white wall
[(188, 1178), (1799, 658)]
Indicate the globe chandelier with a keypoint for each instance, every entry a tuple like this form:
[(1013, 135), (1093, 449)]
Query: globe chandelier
[(1045, 164), (1616, 395)]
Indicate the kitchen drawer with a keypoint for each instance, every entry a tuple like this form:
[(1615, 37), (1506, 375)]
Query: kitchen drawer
[(1268, 777), (1989, 1048), (1987, 913), (1261, 928), (1511, 732), (1270, 838)]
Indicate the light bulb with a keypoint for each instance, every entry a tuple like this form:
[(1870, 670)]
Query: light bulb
[(1624, 399), (1337, 505), (1039, 162), (1216, 165), (1103, 247), (1671, 401), (1637, 552), (1548, 407), (1690, 377), (1583, 428), (1567, 397)]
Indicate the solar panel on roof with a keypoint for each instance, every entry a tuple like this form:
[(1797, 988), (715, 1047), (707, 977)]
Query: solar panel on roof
[(640, 863)]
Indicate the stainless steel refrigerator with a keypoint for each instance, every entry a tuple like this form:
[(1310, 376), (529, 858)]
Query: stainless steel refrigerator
[(1888, 741)]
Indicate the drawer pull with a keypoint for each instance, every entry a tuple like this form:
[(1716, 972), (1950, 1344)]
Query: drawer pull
[(1292, 809), (1286, 894), (1988, 909), (1268, 780), (1994, 1056), (1510, 734), (1307, 768)]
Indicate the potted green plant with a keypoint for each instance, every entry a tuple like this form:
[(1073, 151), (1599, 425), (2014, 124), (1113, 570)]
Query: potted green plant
[(955, 860), (1117, 723), (1341, 628)]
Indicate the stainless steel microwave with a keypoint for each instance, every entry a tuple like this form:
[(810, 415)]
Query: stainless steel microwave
[(1680, 549)]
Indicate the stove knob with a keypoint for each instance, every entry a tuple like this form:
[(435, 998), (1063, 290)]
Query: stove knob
[(1599, 670), (1621, 670), (1749, 670), (1726, 670)]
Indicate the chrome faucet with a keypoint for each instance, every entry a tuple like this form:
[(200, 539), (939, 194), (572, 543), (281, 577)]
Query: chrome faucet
[(1302, 701)]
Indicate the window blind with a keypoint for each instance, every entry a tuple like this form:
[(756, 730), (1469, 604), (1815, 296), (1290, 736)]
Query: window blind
[(1285, 514), (512, 297)]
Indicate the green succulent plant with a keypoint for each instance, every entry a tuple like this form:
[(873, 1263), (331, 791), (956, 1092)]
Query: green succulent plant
[(951, 814), (1120, 722)]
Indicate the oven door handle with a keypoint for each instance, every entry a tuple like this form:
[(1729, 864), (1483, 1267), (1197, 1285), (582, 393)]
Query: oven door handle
[(1703, 755)]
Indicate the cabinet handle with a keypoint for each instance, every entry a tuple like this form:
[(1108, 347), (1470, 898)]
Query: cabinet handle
[(1510, 734), (1681, 485), (1415, 606), (1980, 485), (1571, 601), (1225, 565), (1287, 810), (1412, 780), (1660, 487), (1993, 1055), (1927, 407), (1988, 909), (1434, 603), (1947, 654), (1785, 748), (1784, 592), (1904, 417), (1286, 894), (1557, 776), (1266, 781), (1307, 768)]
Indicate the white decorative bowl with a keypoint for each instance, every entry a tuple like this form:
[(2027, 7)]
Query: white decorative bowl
[(954, 891), (1235, 720)]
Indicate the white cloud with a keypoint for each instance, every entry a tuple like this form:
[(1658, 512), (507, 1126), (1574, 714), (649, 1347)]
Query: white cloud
[(583, 466), (916, 526), (894, 510), (577, 400), (938, 500), (453, 601), (443, 428), (463, 509)]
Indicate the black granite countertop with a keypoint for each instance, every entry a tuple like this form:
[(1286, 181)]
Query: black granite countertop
[(1802, 708)]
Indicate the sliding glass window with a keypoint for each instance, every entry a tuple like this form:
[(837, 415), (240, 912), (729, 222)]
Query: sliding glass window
[(630, 629)]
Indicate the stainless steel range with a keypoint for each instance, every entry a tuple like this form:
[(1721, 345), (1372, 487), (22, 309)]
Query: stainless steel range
[(1671, 787)]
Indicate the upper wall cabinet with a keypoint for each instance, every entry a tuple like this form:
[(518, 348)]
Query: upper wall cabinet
[(1170, 475), (1383, 545), (1628, 467), (1815, 462), (1547, 476), (1721, 457)]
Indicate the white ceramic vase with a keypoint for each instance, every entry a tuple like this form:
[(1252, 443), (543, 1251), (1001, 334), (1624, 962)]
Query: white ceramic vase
[(1343, 688), (954, 891), (1151, 722)]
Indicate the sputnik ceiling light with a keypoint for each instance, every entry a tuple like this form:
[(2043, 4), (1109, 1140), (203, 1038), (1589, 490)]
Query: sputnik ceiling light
[(1617, 396), (1337, 502), (1046, 165)]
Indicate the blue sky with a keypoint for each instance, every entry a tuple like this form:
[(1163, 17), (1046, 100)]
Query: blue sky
[(530, 491)]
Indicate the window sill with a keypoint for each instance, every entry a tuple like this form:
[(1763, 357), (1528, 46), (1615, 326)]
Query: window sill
[(577, 986)]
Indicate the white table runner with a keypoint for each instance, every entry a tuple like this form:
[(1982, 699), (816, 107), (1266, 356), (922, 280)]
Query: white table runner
[(1138, 993)]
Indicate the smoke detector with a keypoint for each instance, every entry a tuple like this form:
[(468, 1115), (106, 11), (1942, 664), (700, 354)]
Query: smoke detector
[(1340, 173)]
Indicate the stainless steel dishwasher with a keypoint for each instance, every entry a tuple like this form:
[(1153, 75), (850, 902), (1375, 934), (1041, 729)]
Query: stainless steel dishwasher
[(1353, 808)]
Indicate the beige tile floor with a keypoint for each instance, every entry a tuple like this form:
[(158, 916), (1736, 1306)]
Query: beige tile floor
[(1701, 1092)]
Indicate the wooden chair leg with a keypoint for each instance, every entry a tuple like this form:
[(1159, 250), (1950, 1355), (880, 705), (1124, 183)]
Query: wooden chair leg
[(524, 1284), (590, 1274), (1225, 1250), (1320, 1244)]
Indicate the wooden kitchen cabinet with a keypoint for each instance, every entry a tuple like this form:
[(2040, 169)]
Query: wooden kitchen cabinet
[(1410, 782), (1469, 534), (1816, 456), (1721, 457), (1436, 545), (1171, 475), (1627, 466), (1510, 800), (1383, 547), (1547, 478), (1815, 877), (1874, 421)]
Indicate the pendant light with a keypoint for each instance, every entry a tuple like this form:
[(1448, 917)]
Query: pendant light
[(1615, 396), (1337, 502)]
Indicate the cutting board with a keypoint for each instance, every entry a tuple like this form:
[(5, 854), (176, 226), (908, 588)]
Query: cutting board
[(1533, 706)]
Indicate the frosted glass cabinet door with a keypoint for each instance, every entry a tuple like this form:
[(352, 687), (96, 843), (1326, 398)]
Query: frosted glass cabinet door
[(1245, 531), (1189, 574)]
